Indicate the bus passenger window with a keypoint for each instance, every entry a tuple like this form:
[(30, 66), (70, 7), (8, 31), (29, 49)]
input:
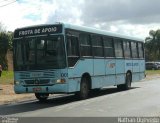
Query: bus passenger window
[(134, 49), (72, 50), (72, 46), (140, 50), (108, 47), (127, 49), (118, 48), (97, 46), (85, 44)]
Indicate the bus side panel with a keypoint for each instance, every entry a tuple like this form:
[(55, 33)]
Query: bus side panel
[(74, 84), (128, 66), (110, 78), (142, 65), (136, 70), (97, 81), (75, 73), (120, 71), (99, 73), (99, 67), (142, 69)]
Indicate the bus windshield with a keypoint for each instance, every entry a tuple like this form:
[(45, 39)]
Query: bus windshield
[(39, 53)]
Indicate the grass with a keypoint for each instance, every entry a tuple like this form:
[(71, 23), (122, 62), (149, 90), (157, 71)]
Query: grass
[(152, 72), (7, 76)]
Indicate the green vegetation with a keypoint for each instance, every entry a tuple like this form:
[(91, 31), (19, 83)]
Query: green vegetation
[(7, 77), (6, 40), (152, 46), (152, 72)]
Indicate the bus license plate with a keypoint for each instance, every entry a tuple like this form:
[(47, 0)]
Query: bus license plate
[(37, 89), (37, 74)]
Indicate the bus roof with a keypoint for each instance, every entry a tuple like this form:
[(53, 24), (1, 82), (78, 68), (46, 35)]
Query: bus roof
[(87, 29), (102, 32)]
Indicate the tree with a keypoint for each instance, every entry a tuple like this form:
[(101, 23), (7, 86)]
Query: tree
[(10, 40), (3, 49), (152, 45), (6, 39)]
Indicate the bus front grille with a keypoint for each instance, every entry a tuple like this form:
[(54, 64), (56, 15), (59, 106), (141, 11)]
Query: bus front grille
[(44, 74), (37, 82)]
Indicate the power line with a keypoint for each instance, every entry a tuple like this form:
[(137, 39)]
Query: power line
[(8, 3)]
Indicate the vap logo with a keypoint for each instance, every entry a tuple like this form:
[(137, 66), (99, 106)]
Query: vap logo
[(111, 65)]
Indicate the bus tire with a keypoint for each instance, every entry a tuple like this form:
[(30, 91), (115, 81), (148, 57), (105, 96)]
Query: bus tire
[(84, 88), (42, 97), (127, 84)]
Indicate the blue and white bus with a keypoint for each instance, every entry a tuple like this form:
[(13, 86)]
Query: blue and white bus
[(65, 58)]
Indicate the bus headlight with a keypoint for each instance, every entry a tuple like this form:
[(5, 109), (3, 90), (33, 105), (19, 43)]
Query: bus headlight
[(19, 82), (16, 82), (61, 81)]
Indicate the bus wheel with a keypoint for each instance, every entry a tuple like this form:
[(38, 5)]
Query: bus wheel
[(128, 81), (84, 88), (42, 97), (127, 84)]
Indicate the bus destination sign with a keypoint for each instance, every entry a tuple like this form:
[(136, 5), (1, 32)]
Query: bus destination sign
[(39, 30)]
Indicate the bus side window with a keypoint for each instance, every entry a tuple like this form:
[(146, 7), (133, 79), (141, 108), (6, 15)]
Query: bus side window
[(85, 44), (134, 49), (118, 48), (140, 50), (72, 50), (97, 46), (127, 49), (108, 47)]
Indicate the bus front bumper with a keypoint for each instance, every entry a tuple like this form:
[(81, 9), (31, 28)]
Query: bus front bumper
[(57, 88)]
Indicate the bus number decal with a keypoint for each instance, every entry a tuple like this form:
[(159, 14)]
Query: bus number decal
[(64, 74)]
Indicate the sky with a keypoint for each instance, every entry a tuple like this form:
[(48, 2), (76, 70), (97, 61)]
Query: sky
[(128, 17)]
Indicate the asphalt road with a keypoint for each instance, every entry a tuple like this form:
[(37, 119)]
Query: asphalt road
[(142, 100)]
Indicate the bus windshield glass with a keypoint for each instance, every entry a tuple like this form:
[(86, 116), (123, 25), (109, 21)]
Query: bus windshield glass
[(39, 53)]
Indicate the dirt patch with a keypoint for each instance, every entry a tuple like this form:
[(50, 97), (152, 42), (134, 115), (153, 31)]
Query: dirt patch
[(149, 77), (8, 96)]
